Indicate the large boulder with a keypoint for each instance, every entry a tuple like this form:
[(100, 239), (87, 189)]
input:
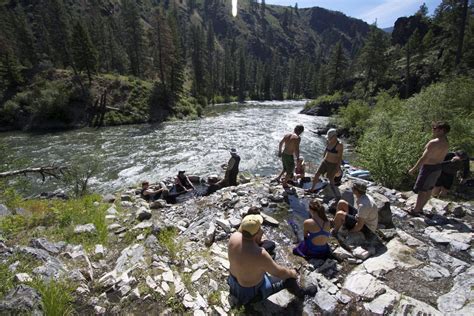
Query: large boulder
[(383, 205), (21, 300)]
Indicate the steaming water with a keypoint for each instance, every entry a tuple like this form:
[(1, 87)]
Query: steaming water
[(130, 154)]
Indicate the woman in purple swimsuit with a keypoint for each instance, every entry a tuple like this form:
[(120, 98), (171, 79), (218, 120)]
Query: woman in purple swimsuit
[(316, 234)]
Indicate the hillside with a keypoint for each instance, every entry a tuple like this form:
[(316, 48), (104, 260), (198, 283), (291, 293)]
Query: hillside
[(187, 49)]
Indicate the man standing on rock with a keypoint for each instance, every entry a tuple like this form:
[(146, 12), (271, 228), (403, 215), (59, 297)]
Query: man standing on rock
[(231, 170), (250, 266), (430, 165), (290, 151)]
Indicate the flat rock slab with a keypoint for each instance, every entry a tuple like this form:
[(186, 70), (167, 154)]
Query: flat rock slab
[(397, 255), (382, 304), (197, 274), (455, 266), (130, 257), (327, 303), (275, 304), (267, 219), (363, 284), (460, 300), (453, 237), (43, 243), (410, 306)]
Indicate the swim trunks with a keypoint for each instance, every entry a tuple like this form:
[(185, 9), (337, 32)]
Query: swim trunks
[(288, 164), (255, 293), (328, 168), (427, 178)]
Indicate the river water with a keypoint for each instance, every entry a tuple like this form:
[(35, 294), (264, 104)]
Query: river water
[(132, 153)]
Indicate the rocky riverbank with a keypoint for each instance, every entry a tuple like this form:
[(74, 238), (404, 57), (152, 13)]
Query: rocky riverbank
[(169, 259)]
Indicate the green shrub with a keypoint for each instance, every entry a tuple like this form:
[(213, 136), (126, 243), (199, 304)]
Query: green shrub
[(327, 98), (56, 296), (353, 117), (219, 99)]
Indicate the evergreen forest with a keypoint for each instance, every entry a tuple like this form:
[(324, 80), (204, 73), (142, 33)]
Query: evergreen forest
[(69, 63)]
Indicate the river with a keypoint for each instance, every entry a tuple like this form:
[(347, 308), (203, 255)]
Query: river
[(132, 153)]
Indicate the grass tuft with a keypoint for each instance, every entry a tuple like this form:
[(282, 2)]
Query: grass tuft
[(56, 296)]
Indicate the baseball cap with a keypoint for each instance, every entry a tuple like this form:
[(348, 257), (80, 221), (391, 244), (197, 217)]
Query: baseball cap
[(360, 186), (251, 224)]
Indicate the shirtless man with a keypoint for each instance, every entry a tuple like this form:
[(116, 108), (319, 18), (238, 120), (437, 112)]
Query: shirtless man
[(291, 150), (250, 265), (151, 194), (430, 165), (331, 161)]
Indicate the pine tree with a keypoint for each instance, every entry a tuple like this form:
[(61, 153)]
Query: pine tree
[(24, 37), (336, 68), (372, 59), (242, 76), (83, 52), (133, 36), (198, 54), (10, 69), (177, 77), (451, 16), (58, 30), (211, 61), (162, 46)]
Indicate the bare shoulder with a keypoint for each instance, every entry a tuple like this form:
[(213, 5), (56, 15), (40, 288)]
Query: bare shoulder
[(264, 260)]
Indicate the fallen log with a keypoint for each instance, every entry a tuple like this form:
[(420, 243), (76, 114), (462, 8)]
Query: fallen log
[(52, 171)]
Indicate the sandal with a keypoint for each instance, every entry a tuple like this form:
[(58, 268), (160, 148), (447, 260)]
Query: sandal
[(413, 213)]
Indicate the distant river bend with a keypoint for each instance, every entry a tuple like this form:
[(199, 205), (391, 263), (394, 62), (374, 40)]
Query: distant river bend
[(132, 153)]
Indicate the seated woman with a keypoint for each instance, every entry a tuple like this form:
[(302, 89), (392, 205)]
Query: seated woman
[(316, 234)]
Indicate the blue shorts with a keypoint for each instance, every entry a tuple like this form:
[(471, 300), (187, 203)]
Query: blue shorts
[(255, 293)]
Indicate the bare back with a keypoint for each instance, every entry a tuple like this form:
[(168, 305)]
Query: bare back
[(310, 226), (246, 260), (436, 150), (292, 144)]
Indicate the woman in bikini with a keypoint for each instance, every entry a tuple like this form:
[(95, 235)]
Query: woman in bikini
[(316, 234), (332, 159)]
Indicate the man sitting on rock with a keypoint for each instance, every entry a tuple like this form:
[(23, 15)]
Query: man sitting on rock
[(250, 266), (266, 244), (151, 194), (364, 217)]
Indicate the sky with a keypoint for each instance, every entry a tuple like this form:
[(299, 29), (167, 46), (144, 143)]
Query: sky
[(385, 12)]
